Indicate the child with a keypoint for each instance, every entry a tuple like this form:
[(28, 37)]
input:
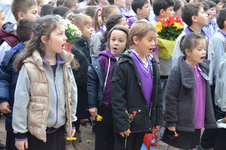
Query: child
[(2, 18), (46, 10), (141, 8), (46, 92), (135, 89), (216, 51), (99, 3), (40, 5), (194, 16), (128, 11), (118, 3), (71, 4), (82, 53), (107, 11), (177, 8), (163, 9), (62, 10), (8, 76), (218, 5), (99, 86), (211, 26), (21, 9), (112, 21), (188, 99)]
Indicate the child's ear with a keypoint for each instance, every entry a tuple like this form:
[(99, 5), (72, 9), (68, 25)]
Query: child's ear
[(44, 39), (20, 15), (194, 18), (162, 12), (187, 52), (136, 40), (138, 10)]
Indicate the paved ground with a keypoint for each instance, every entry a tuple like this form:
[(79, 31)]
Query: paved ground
[(86, 134)]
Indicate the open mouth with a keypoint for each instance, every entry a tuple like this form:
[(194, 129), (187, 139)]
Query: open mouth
[(115, 49), (203, 57), (64, 46)]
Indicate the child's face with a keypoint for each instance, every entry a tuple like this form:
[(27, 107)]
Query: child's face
[(32, 13), (197, 54), (87, 31), (57, 40), (118, 42), (202, 18), (178, 12), (128, 2), (147, 43), (219, 7), (120, 3), (2, 18), (212, 13), (123, 22), (169, 12), (99, 17), (41, 4), (145, 11)]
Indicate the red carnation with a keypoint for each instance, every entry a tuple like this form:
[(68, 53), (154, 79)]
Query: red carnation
[(134, 112), (126, 111), (131, 116)]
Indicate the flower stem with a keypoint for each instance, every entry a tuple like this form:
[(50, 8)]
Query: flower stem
[(125, 142)]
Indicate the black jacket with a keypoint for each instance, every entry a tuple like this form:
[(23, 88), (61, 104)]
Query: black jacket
[(127, 94), (180, 98), (82, 53)]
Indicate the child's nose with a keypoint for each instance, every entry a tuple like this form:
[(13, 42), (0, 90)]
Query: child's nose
[(65, 38)]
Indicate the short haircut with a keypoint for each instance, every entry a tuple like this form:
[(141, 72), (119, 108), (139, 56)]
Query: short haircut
[(211, 4), (177, 4), (138, 4), (190, 41), (221, 17), (62, 10), (90, 11), (161, 4), (216, 1), (140, 28), (119, 28), (70, 3), (189, 10), (46, 10), (22, 6), (205, 6), (24, 29), (80, 20), (60, 2)]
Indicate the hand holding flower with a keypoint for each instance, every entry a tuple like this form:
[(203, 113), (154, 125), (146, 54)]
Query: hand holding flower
[(125, 133)]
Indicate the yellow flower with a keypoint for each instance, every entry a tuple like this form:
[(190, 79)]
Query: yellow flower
[(70, 139), (99, 118), (158, 26), (88, 141)]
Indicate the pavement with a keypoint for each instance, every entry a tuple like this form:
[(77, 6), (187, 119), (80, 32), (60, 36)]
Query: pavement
[(86, 134)]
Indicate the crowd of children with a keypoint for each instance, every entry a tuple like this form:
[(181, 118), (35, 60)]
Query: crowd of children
[(113, 71)]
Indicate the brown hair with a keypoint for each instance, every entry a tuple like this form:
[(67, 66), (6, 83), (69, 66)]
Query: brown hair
[(189, 10), (140, 28), (107, 11), (92, 11), (80, 20), (70, 3), (120, 28), (22, 6)]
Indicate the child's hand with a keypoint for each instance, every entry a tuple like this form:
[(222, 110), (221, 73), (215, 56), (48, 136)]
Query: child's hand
[(172, 128), (21, 145), (93, 111), (127, 132), (73, 132), (4, 108), (157, 127)]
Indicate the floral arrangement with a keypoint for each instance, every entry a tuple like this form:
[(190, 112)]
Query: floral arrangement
[(71, 31), (130, 119), (169, 28)]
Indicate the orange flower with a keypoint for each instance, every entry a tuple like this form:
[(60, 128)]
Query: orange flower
[(178, 20), (168, 21)]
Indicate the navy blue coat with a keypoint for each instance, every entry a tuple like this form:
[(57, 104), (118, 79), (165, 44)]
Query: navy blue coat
[(95, 82), (8, 80)]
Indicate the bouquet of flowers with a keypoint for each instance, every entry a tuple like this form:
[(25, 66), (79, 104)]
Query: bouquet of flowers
[(168, 30), (71, 31)]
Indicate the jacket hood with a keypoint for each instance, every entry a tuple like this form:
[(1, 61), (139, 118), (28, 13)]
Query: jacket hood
[(107, 54), (7, 29), (186, 72)]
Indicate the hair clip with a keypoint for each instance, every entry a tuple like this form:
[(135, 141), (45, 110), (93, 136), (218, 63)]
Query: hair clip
[(101, 8)]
